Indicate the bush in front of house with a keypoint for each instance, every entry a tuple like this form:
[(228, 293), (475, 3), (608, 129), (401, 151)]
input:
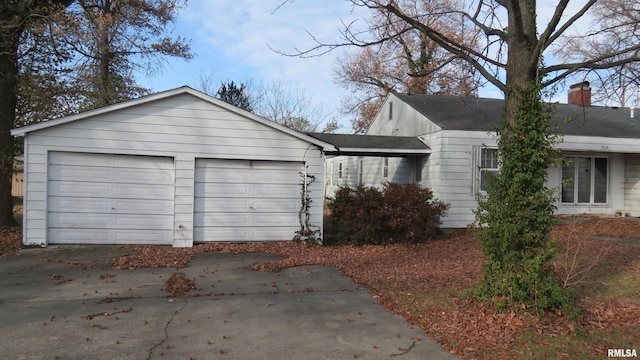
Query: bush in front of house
[(396, 214)]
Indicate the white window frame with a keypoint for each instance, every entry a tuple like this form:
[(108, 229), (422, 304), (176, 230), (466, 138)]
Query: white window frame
[(483, 165), (385, 167), (576, 180), (360, 170), (340, 170)]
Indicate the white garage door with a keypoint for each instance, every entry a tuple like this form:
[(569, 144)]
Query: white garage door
[(242, 200), (109, 199)]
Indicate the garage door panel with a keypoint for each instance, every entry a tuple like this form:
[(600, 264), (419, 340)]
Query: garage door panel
[(109, 190), (78, 173), (146, 221), (110, 160), (222, 176), (218, 219), (231, 205), (144, 191), (277, 205), (274, 219), (222, 190), (74, 204), (109, 221), (79, 189), (106, 205), (246, 200), (235, 206), (150, 207), (110, 236), (110, 199), (144, 176), (78, 220), (274, 234), (277, 191), (277, 176), (232, 234)]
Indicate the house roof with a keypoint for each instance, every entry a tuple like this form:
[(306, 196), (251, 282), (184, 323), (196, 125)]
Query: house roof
[(163, 95), (373, 145), (481, 114)]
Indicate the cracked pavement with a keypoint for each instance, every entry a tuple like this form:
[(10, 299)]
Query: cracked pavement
[(66, 303)]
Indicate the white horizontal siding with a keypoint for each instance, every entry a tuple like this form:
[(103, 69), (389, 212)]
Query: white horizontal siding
[(404, 120), (183, 127), (449, 172)]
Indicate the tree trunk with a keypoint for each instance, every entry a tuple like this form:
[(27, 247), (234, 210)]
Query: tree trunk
[(522, 63), (13, 18), (8, 85)]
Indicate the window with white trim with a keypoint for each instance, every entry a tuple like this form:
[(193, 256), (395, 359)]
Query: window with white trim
[(489, 166), (385, 168), (340, 170), (360, 170), (584, 180)]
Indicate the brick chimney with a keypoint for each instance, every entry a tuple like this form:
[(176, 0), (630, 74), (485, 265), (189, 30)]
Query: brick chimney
[(580, 94)]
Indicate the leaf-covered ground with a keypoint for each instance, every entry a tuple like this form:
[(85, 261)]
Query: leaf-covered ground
[(10, 241), (430, 285)]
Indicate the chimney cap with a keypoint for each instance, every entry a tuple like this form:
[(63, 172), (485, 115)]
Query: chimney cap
[(584, 84)]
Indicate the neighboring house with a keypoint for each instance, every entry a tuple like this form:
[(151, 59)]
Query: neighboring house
[(174, 168), (601, 149)]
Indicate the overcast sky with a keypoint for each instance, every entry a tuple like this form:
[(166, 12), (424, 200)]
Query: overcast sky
[(232, 40)]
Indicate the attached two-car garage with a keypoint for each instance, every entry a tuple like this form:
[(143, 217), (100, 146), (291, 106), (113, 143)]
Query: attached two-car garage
[(173, 168)]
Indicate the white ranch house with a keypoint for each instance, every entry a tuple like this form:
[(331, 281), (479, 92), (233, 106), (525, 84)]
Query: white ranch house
[(601, 147), (174, 168), (180, 167)]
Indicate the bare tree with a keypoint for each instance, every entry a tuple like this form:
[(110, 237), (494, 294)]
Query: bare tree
[(275, 101), (614, 29), (407, 62), (290, 107)]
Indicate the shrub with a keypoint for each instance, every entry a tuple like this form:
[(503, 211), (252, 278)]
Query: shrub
[(395, 214)]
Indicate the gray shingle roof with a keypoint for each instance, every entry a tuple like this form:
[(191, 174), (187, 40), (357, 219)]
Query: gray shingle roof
[(470, 113)]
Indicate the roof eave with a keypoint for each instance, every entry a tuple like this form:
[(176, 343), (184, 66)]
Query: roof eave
[(379, 152)]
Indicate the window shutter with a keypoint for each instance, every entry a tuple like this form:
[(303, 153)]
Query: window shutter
[(474, 187)]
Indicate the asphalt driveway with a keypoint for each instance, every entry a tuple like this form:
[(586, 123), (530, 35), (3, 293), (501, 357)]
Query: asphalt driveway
[(66, 303)]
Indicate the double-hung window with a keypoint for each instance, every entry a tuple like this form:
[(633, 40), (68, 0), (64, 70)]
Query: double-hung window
[(584, 180), (385, 168), (489, 166)]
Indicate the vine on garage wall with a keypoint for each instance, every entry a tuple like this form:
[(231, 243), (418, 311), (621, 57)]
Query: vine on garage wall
[(308, 232)]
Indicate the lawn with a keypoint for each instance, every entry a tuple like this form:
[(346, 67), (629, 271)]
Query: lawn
[(430, 285)]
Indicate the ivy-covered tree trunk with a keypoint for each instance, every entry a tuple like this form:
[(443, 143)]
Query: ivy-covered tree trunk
[(516, 216)]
